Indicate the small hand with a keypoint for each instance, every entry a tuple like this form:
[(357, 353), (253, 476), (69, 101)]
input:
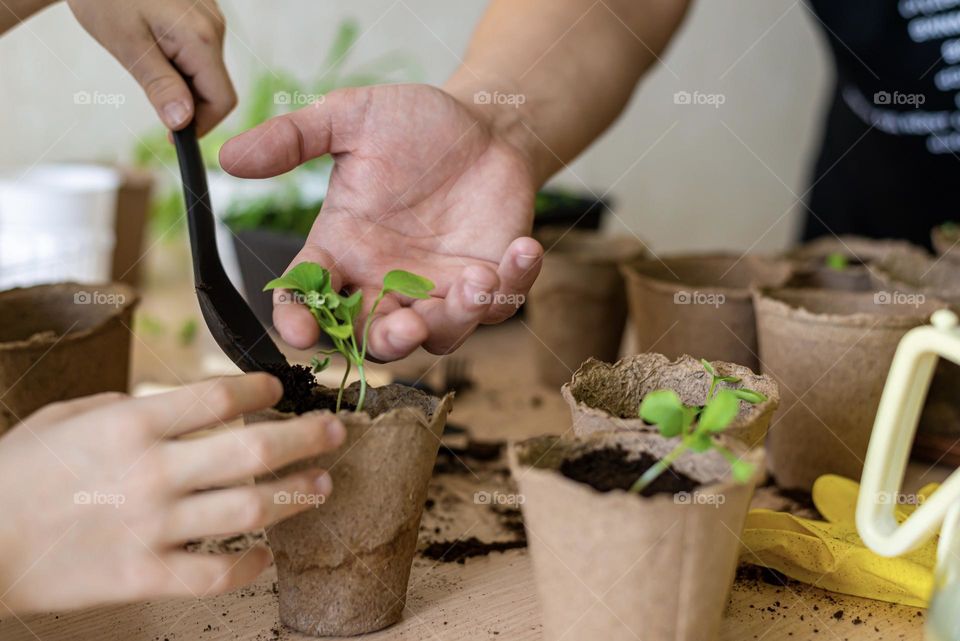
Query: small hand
[(160, 43), (421, 183), (99, 494)]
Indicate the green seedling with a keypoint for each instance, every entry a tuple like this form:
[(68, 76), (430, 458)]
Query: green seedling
[(696, 426), (337, 314), (837, 261)]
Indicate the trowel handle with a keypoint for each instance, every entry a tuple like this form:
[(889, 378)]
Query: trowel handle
[(893, 431)]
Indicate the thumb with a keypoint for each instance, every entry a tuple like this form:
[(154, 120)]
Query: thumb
[(285, 142), (166, 89)]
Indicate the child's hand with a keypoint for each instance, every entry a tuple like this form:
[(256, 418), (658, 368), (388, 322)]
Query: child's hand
[(99, 494), (153, 40)]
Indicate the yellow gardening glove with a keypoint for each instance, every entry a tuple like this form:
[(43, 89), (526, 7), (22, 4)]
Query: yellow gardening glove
[(829, 554)]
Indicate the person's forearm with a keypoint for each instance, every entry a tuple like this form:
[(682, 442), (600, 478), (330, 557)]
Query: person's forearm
[(13, 12), (555, 73)]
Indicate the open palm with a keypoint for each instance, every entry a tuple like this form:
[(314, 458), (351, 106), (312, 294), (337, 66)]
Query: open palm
[(420, 183)]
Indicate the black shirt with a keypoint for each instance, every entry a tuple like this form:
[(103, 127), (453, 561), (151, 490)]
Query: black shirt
[(889, 162)]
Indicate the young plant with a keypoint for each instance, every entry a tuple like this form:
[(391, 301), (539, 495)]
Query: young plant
[(837, 261), (337, 314), (696, 425)]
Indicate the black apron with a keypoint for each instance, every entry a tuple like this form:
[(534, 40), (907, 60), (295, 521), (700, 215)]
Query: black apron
[(889, 161)]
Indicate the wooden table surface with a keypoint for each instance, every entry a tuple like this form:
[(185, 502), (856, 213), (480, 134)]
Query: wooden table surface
[(489, 597)]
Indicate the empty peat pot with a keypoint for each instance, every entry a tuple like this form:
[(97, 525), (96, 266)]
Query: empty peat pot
[(618, 566), (812, 266), (578, 306), (343, 566), (62, 341), (605, 397), (830, 352), (700, 304)]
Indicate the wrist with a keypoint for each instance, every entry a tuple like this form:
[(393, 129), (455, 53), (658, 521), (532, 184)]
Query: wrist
[(502, 106)]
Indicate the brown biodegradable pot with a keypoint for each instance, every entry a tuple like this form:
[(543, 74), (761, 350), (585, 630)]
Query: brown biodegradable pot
[(343, 567), (62, 341), (605, 397), (830, 352), (700, 304), (617, 566), (578, 307), (903, 274), (811, 269)]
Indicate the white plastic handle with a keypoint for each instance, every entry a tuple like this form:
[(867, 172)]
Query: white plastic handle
[(893, 432)]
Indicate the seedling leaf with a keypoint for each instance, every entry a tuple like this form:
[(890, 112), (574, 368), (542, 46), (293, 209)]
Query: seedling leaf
[(837, 261), (720, 411), (701, 442), (749, 395), (318, 365), (729, 379), (741, 470), (304, 277), (707, 366), (407, 284), (664, 409)]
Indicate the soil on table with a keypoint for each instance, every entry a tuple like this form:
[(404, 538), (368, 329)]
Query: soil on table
[(612, 469), (300, 391), (456, 460), (462, 549)]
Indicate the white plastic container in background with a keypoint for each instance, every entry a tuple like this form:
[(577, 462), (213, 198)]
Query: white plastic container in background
[(57, 224)]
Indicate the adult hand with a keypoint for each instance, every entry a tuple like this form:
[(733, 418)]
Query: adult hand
[(99, 494), (161, 42), (422, 182)]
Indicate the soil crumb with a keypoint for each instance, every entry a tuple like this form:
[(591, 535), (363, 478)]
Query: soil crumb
[(462, 549), (611, 469), (300, 390)]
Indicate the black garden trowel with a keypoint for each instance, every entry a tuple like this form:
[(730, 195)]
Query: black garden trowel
[(233, 325)]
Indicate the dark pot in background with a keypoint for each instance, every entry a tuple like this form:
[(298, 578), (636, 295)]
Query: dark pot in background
[(946, 241), (578, 308), (62, 341), (557, 208), (263, 255), (700, 304)]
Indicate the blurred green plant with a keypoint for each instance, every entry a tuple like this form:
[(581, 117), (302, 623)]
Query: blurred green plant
[(273, 93)]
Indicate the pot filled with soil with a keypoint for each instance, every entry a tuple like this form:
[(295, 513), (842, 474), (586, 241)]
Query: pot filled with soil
[(843, 263), (577, 309), (613, 564), (700, 304), (62, 341), (605, 397), (343, 567), (830, 352)]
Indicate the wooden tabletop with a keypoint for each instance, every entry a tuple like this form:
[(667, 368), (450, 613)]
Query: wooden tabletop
[(485, 597)]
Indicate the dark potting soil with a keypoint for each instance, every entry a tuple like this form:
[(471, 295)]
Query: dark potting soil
[(300, 390), (456, 460), (462, 549), (610, 469)]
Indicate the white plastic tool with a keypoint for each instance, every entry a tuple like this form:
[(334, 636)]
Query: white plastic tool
[(883, 472)]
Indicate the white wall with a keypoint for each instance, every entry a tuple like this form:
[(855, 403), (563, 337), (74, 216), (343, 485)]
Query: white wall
[(684, 176)]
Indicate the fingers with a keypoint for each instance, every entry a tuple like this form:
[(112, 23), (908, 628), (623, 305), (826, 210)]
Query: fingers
[(247, 508), (293, 321), (285, 142), (202, 61), (166, 89), (265, 448), (199, 575), (69, 409), (208, 403), (396, 334), (451, 319), (518, 269)]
